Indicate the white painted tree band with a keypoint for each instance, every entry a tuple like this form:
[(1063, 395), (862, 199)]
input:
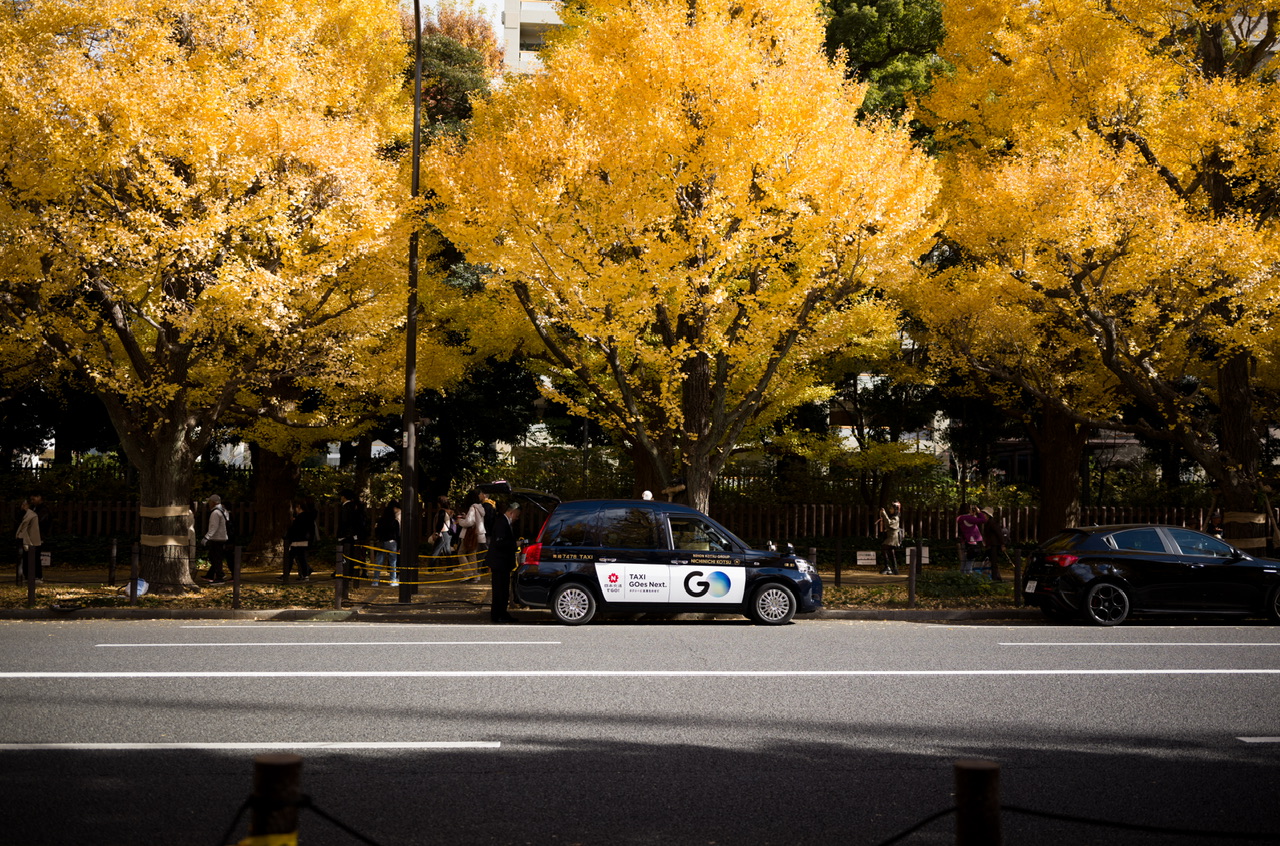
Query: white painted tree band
[(164, 511)]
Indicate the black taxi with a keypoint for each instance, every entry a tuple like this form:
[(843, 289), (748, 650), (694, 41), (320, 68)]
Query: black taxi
[(641, 555)]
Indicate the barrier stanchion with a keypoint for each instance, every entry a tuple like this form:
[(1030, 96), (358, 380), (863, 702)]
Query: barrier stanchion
[(236, 557), (913, 573), (33, 555), (1017, 579), (133, 574), (338, 581), (111, 565), (977, 803), (839, 560)]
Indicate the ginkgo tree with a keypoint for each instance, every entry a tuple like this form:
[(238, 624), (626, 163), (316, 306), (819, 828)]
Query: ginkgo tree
[(195, 201), (1111, 191), (686, 209)]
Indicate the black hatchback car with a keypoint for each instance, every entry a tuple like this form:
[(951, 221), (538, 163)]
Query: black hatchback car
[(642, 555), (1105, 573)]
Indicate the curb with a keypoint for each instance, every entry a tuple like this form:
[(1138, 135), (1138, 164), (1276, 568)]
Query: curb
[(427, 616)]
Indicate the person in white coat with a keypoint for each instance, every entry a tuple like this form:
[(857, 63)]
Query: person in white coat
[(216, 540), (475, 541)]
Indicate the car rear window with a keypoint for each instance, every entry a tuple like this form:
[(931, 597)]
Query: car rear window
[(569, 527), (1062, 541)]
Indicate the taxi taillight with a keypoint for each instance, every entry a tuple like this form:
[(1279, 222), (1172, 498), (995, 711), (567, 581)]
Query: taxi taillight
[(1062, 559), (532, 553)]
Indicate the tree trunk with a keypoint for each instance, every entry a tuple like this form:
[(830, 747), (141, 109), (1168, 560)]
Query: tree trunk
[(647, 475), (166, 472), (1059, 443), (1238, 437), (275, 483)]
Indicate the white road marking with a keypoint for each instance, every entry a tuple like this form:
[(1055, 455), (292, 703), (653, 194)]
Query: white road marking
[(294, 624), (1259, 739), (349, 643), (480, 674), (148, 747), (1129, 643)]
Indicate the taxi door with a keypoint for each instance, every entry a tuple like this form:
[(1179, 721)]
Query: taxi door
[(631, 564), (706, 566)]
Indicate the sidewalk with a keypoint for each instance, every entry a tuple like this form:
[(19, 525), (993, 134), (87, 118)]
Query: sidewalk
[(450, 602)]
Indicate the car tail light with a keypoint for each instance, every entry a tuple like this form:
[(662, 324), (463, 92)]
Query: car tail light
[(1062, 559), (532, 553)]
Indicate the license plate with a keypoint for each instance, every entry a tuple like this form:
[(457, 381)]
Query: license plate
[(1031, 587)]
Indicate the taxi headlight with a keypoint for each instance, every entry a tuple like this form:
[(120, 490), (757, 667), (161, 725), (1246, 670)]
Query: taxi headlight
[(805, 567)]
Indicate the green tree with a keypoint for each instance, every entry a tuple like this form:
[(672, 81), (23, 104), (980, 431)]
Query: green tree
[(892, 44)]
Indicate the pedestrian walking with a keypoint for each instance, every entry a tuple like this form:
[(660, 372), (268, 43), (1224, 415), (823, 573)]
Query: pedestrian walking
[(475, 540), (995, 534), (353, 531), (298, 538), (215, 539), (444, 531), (386, 535), (890, 526), (970, 524), (29, 537)]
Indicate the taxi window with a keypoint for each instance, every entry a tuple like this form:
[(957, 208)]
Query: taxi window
[(569, 528), (628, 528), (690, 533), (1194, 543), (1140, 540)]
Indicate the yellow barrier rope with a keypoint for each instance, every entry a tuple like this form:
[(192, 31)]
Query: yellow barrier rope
[(472, 570)]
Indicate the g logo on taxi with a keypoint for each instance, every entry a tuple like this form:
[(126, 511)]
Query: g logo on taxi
[(717, 584)]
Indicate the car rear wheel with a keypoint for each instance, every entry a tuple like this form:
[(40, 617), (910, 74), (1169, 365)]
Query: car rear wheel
[(573, 604), (1106, 604), (772, 604)]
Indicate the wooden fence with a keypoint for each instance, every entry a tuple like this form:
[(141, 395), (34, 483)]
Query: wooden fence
[(755, 523)]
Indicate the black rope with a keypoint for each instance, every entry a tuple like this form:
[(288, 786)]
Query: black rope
[(226, 838), (305, 802), (913, 829), (1149, 829)]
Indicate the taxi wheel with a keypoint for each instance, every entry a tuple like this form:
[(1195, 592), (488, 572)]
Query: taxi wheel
[(573, 604), (772, 604)]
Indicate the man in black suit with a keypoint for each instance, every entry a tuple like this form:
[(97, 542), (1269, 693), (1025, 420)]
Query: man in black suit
[(501, 556)]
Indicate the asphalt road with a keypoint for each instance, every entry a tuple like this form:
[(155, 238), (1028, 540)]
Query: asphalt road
[(714, 732)]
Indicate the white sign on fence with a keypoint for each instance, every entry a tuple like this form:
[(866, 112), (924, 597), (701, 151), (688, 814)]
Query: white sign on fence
[(866, 558), (911, 555)]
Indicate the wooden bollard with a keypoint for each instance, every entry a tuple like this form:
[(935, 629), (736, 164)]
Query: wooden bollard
[(134, 566), (339, 583), (277, 788), (977, 803), (237, 555)]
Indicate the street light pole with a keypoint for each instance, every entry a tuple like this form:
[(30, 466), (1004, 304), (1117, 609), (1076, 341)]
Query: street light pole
[(409, 465)]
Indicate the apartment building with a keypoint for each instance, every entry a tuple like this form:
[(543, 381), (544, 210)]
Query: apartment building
[(525, 23)]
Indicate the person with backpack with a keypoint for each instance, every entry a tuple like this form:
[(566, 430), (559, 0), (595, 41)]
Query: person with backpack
[(216, 540)]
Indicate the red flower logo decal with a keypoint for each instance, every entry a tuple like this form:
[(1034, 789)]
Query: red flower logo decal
[(613, 578)]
